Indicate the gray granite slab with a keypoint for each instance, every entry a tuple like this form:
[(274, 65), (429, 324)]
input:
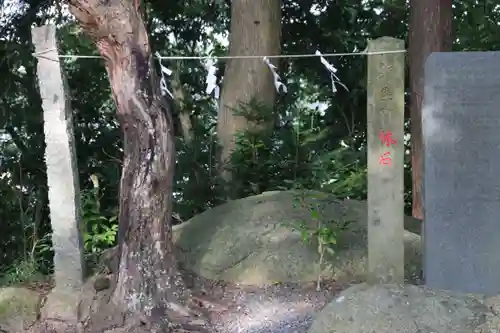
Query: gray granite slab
[(461, 135)]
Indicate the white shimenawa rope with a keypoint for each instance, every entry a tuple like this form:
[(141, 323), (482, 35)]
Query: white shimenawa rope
[(314, 55), (211, 79)]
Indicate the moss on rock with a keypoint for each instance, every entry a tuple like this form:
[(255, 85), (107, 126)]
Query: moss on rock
[(19, 308), (251, 240)]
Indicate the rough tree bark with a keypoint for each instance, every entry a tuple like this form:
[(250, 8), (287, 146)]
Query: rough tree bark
[(255, 30), (148, 280), (430, 31)]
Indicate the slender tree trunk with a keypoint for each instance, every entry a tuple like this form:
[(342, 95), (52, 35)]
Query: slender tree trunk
[(184, 113), (255, 30), (148, 278), (430, 31)]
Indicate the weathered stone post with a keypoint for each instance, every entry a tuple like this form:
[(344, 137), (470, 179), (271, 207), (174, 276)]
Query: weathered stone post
[(385, 107), (62, 177)]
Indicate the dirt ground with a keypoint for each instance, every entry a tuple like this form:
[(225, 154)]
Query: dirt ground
[(278, 308)]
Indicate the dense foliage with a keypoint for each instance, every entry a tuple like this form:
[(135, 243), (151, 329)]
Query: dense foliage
[(318, 143)]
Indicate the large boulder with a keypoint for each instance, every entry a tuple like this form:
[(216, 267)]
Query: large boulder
[(19, 309), (252, 241), (409, 309)]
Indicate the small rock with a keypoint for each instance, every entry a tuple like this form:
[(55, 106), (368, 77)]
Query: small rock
[(101, 283), (19, 309)]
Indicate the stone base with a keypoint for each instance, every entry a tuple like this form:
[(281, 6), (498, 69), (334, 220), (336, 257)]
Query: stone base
[(61, 305)]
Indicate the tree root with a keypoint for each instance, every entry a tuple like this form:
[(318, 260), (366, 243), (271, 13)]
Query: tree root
[(54, 326), (98, 314), (112, 321)]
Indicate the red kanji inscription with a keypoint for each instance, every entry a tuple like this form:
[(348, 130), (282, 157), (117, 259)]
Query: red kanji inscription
[(386, 138), (385, 159)]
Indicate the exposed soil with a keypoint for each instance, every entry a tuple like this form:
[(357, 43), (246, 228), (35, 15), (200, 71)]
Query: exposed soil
[(280, 308), (283, 307)]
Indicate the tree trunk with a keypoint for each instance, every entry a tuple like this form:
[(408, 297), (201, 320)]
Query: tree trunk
[(255, 30), (430, 31), (148, 278), (184, 113)]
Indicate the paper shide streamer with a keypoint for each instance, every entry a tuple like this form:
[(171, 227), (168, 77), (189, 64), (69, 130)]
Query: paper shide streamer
[(277, 79), (211, 79), (164, 73), (332, 71)]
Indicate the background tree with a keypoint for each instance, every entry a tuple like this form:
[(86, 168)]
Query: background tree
[(255, 31), (430, 31)]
